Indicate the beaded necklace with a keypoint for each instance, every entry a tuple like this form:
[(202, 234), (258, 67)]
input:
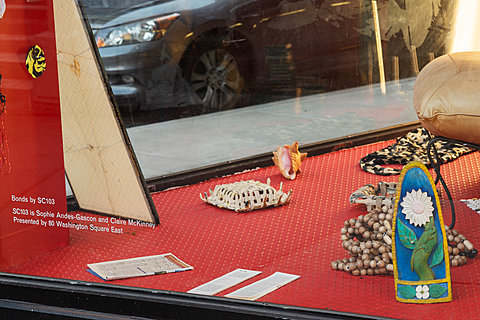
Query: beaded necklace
[(4, 151)]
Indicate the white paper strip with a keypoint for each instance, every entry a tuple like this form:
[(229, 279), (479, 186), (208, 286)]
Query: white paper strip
[(262, 287), (224, 282), (473, 204)]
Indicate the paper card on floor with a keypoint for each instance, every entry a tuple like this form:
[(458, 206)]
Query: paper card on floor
[(138, 267), (262, 287), (224, 282)]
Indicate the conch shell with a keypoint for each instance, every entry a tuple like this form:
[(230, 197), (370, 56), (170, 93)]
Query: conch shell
[(288, 159)]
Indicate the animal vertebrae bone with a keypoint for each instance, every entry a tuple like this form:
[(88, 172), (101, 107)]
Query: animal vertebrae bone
[(246, 196)]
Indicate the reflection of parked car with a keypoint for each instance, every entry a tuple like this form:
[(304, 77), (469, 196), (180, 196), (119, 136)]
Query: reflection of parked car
[(169, 53)]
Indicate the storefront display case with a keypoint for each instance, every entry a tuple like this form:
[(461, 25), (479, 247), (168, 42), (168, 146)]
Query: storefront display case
[(148, 148)]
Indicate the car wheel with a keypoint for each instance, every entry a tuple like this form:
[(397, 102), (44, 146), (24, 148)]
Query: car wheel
[(217, 77)]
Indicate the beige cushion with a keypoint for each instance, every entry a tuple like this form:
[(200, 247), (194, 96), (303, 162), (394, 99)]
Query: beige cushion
[(447, 96)]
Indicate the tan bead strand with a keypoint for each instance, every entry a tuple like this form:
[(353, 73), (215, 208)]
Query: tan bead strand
[(459, 248), (368, 241)]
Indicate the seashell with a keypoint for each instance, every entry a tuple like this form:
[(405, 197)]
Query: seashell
[(246, 196), (288, 159)]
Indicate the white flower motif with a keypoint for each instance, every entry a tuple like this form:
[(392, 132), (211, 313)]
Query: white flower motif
[(422, 292), (417, 207)]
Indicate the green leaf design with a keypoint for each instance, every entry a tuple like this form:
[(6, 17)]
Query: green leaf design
[(437, 257), (407, 292), (436, 291), (407, 236)]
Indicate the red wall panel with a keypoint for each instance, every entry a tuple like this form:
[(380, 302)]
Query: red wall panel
[(33, 168)]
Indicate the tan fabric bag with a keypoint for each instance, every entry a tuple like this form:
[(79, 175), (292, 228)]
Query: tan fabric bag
[(447, 96)]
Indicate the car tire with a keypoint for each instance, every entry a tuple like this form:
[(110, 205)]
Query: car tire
[(217, 74)]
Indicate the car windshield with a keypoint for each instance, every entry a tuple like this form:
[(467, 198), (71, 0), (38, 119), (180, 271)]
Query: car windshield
[(101, 11), (117, 4)]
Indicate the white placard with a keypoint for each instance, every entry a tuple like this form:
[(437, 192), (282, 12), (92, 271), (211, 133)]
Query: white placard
[(224, 282), (262, 287), (138, 267)]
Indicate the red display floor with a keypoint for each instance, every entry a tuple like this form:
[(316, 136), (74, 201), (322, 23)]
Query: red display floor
[(301, 238)]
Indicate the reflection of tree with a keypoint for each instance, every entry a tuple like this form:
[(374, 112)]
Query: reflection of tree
[(414, 21), (411, 18), (423, 24), (402, 4), (434, 37), (438, 39), (406, 27)]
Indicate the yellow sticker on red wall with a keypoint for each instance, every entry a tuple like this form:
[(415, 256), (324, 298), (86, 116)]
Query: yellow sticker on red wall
[(35, 61)]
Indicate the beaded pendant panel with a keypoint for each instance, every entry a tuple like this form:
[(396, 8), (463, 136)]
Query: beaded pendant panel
[(419, 242)]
